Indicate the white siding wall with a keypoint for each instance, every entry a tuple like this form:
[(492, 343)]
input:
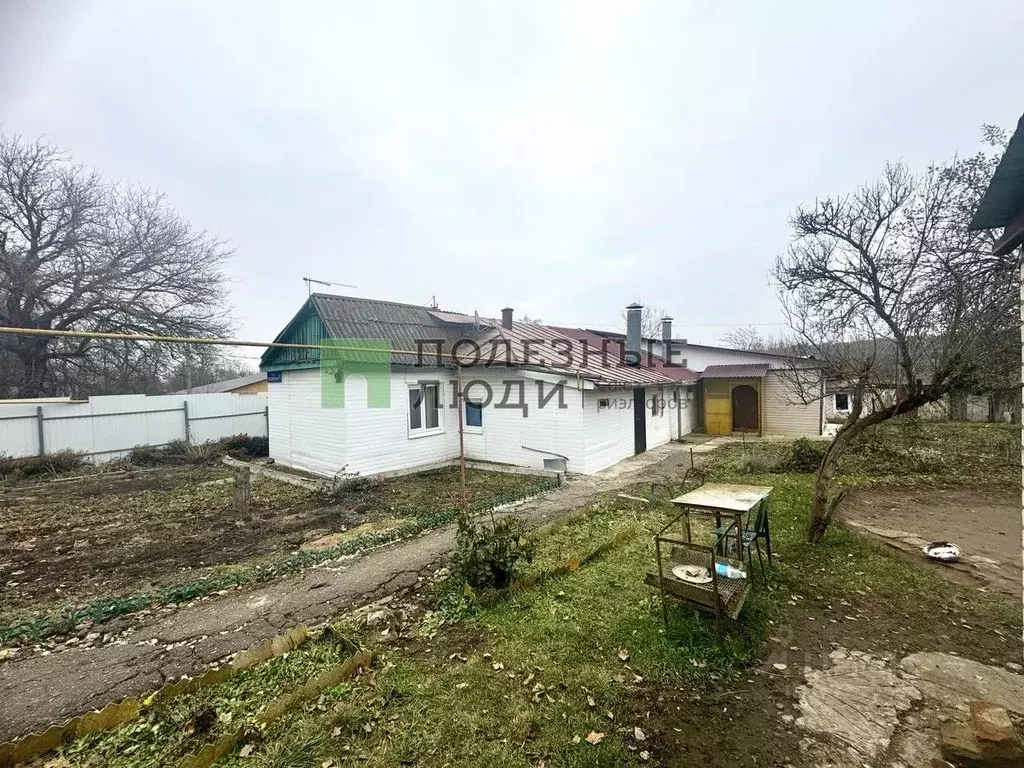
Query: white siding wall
[(373, 440), (659, 420), (356, 437), (699, 358), (686, 421), (508, 436), (607, 432), (784, 414)]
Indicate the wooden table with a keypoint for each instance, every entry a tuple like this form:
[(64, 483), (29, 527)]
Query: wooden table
[(727, 499)]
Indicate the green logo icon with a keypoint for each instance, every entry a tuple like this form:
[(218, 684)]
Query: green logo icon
[(342, 358)]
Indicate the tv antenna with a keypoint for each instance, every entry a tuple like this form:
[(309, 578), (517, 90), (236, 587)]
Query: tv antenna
[(310, 280)]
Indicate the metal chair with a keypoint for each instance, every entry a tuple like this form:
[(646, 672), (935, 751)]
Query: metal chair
[(757, 529)]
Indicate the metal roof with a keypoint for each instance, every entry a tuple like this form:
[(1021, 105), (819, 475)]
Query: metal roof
[(744, 371), (408, 327), (402, 325), (1004, 198), (533, 347), (223, 386), (594, 340)]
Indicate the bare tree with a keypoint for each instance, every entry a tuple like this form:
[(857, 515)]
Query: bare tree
[(899, 300), (80, 253), (751, 339)]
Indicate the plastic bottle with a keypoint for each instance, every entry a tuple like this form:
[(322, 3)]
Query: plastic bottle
[(726, 570)]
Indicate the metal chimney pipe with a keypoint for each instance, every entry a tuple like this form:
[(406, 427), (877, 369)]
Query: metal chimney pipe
[(666, 329), (634, 342), (506, 317)]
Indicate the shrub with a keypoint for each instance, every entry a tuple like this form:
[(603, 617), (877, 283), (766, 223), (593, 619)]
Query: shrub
[(246, 446), (806, 455), (150, 455), (49, 464), (754, 463), (487, 556)]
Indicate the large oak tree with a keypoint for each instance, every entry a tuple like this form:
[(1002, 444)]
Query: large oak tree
[(78, 252)]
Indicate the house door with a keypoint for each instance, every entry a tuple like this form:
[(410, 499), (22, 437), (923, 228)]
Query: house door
[(717, 408), (745, 409), (639, 420)]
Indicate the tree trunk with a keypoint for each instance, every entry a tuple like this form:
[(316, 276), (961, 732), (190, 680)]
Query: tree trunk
[(822, 504), (32, 380)]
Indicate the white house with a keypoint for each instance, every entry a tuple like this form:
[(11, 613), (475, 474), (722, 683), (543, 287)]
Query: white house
[(532, 396)]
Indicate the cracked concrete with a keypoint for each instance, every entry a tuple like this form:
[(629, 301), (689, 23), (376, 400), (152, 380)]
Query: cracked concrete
[(44, 690)]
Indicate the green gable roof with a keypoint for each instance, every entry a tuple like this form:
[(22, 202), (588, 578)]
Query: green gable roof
[(406, 327)]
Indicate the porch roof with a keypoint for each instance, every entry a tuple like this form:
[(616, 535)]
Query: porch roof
[(741, 371)]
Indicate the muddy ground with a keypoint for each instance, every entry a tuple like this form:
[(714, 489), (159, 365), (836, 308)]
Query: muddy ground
[(65, 542), (984, 524)]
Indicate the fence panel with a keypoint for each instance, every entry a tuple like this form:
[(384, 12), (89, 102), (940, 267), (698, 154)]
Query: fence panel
[(110, 426)]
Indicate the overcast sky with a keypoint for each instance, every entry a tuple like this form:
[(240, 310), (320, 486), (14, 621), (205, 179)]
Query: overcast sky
[(561, 158)]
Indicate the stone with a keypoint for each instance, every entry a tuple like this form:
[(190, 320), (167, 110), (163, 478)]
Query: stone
[(858, 700), (954, 681), (1013, 666), (991, 722), (987, 741), (958, 745)]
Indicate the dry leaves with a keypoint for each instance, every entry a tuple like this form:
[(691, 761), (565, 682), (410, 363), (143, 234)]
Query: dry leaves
[(638, 734), (594, 737), (623, 655)]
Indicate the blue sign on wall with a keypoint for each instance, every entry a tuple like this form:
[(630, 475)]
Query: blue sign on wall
[(274, 377)]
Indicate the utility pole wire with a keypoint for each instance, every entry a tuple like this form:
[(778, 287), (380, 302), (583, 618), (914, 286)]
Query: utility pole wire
[(186, 340)]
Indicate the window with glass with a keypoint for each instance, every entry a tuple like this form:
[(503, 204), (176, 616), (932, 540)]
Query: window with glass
[(474, 414), (424, 407)]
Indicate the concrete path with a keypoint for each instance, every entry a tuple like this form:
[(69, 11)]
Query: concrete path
[(40, 691)]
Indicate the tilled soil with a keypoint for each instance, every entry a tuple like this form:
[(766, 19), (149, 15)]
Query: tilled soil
[(70, 542)]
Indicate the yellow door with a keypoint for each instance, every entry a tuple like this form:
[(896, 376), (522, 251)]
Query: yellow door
[(717, 408)]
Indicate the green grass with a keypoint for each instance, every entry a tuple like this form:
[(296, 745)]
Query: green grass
[(523, 681), (181, 726), (902, 452)]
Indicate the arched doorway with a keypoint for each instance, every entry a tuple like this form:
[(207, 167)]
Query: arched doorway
[(745, 416)]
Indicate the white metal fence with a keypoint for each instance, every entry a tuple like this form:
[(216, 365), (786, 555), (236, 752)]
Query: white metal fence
[(108, 427)]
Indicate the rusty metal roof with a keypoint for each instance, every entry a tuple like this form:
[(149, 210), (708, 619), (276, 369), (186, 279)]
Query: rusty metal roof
[(743, 371), (594, 340), (549, 348)]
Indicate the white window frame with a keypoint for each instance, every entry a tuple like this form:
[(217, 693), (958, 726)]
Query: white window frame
[(423, 431), (465, 417)]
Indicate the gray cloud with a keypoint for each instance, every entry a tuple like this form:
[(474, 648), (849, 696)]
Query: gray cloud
[(562, 158)]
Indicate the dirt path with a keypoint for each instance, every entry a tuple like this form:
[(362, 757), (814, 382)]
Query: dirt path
[(45, 689), (985, 525)]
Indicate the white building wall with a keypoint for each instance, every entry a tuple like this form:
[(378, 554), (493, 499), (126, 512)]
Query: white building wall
[(607, 431), (683, 415), (659, 416), (374, 440), (355, 438), (784, 414), (525, 439), (698, 358)]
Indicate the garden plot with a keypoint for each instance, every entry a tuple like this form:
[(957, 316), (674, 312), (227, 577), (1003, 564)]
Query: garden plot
[(70, 541)]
